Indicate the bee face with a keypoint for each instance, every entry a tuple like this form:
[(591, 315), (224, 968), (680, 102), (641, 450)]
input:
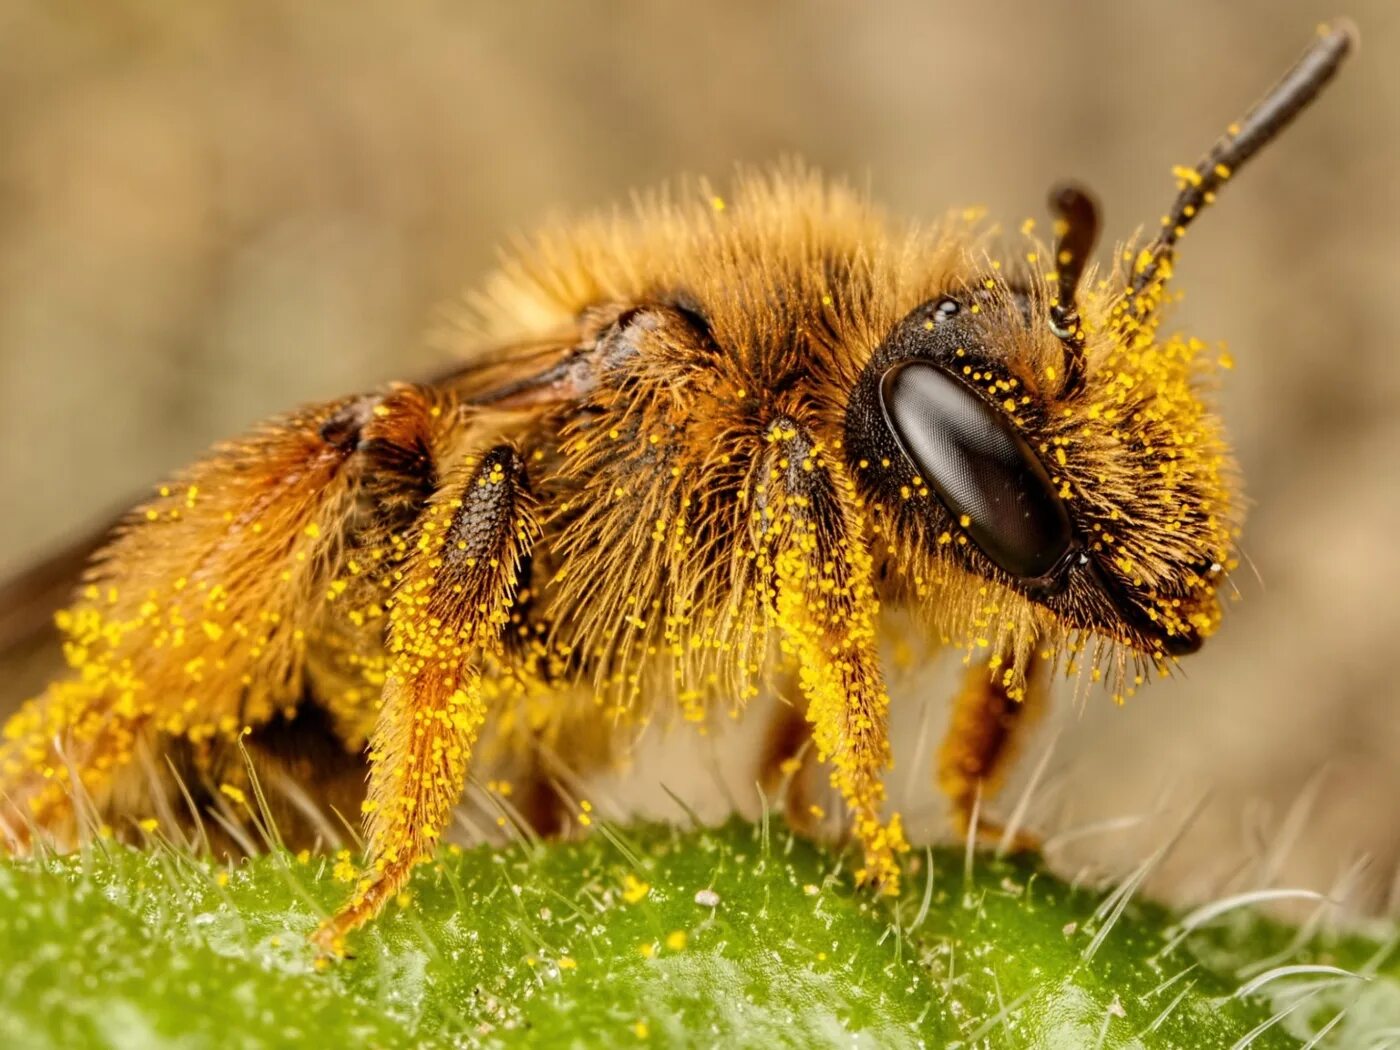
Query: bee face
[(1104, 501)]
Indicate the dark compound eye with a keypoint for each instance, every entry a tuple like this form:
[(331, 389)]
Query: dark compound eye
[(979, 466)]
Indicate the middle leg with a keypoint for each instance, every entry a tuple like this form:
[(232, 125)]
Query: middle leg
[(787, 763), (988, 724)]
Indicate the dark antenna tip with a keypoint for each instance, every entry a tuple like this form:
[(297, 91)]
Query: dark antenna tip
[(1076, 232), (1243, 139), (1344, 28)]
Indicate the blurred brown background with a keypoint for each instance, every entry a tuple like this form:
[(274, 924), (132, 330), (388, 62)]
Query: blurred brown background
[(213, 211)]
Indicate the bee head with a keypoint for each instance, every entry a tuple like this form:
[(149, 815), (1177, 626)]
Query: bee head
[(1102, 496), (1042, 434)]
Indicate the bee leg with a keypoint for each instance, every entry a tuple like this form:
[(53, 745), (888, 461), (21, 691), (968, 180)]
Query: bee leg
[(989, 721), (786, 766), (535, 792), (814, 549), (193, 621), (200, 617), (540, 805), (447, 615)]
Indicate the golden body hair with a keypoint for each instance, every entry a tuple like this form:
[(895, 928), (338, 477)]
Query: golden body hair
[(675, 468)]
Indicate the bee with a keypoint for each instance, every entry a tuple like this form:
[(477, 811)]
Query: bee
[(694, 454)]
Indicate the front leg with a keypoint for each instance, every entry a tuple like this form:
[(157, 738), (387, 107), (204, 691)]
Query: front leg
[(813, 546), (448, 611)]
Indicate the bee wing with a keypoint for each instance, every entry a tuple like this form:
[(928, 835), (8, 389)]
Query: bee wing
[(537, 372), (553, 370), (29, 599)]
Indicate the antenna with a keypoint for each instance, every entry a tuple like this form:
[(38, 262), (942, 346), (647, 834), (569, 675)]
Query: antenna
[(1242, 140), (1076, 230)]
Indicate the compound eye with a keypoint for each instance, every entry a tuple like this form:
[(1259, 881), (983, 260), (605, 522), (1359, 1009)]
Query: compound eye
[(978, 466)]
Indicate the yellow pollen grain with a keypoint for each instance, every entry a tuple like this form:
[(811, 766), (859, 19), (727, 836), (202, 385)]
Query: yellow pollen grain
[(234, 794), (634, 889)]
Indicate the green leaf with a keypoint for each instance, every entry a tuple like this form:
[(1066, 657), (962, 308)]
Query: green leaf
[(650, 936)]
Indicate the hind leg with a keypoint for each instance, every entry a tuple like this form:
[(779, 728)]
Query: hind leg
[(197, 621)]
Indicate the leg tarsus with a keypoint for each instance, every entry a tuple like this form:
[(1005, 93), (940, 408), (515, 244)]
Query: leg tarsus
[(371, 894)]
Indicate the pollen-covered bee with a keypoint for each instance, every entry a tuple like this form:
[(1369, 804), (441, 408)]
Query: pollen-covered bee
[(695, 453)]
